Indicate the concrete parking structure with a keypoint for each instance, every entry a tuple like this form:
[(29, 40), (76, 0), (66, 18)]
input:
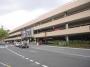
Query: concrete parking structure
[(68, 22)]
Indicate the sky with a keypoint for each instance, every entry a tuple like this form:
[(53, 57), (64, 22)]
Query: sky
[(14, 13)]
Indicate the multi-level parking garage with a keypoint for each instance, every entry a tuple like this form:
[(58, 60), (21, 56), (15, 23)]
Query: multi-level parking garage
[(68, 22)]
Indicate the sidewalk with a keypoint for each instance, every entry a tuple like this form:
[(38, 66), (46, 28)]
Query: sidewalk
[(64, 50)]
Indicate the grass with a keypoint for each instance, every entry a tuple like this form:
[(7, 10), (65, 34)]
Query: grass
[(72, 43)]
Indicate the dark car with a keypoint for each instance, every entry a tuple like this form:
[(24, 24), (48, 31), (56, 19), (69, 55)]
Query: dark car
[(24, 45)]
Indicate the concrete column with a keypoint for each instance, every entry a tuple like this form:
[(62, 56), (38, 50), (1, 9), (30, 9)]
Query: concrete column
[(67, 38), (20, 40), (28, 41), (35, 40), (14, 42), (65, 14), (67, 26)]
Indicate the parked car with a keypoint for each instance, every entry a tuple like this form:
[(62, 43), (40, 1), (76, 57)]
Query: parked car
[(17, 44), (24, 45)]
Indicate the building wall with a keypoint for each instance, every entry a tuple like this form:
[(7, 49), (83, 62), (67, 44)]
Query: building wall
[(70, 19)]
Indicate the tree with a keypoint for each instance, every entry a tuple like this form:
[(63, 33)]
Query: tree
[(3, 34)]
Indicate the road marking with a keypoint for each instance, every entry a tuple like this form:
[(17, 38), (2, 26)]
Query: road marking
[(44, 66), (3, 64), (37, 62), (15, 53), (32, 60), (25, 58), (22, 56), (6, 65)]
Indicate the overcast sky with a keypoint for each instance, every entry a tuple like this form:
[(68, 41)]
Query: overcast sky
[(14, 13)]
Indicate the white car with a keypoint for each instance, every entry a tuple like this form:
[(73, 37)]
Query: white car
[(17, 44)]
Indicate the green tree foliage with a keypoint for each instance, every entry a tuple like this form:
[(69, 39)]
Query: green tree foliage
[(3, 33)]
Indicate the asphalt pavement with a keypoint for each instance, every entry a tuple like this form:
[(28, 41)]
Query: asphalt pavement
[(44, 56), (10, 59)]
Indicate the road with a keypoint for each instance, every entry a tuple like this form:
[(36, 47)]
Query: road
[(44, 56)]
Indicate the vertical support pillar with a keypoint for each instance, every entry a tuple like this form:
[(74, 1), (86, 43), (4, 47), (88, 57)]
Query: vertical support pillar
[(13, 42), (35, 40), (20, 40), (30, 40), (67, 26), (67, 39)]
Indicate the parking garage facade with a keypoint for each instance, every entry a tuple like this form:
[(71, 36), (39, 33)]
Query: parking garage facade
[(70, 22)]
